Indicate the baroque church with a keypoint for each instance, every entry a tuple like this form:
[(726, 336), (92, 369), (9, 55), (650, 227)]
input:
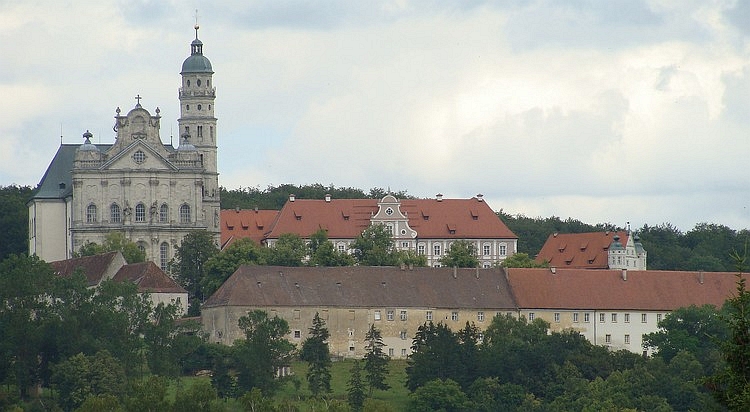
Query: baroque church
[(152, 192)]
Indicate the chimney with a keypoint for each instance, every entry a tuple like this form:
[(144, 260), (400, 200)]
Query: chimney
[(291, 197), (439, 197), (553, 270), (480, 197), (625, 274), (256, 209), (455, 272), (328, 197), (237, 209), (700, 277), (477, 272)]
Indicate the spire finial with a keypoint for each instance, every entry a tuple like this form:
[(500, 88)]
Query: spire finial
[(196, 23), (138, 100)]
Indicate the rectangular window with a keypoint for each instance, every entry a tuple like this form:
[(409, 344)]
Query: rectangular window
[(420, 249), (502, 250), (601, 318), (486, 250), (351, 333), (575, 317), (658, 317), (390, 352), (454, 316), (297, 334), (402, 335), (403, 352), (480, 316), (608, 338), (644, 318), (351, 315), (614, 318), (428, 315), (296, 314), (341, 247), (200, 131), (403, 315), (389, 315), (557, 317), (531, 316), (627, 318), (351, 348), (436, 250), (627, 339), (587, 317), (377, 315)]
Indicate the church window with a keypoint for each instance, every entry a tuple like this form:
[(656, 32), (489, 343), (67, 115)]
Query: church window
[(184, 214), (199, 108), (114, 213), (198, 82), (164, 213), (141, 246), (164, 255), (200, 128), (188, 82), (140, 212), (187, 107), (139, 157), (208, 84), (91, 214)]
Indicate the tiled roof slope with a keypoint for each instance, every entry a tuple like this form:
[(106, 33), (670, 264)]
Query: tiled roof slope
[(148, 277), (431, 218), (94, 267), (243, 223), (606, 289), (361, 286), (579, 250)]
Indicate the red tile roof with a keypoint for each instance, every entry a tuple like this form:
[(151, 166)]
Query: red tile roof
[(606, 289), (362, 286), (579, 250), (93, 267), (431, 218), (240, 224), (149, 278)]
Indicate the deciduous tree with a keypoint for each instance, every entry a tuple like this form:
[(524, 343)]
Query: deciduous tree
[(374, 247), (462, 254)]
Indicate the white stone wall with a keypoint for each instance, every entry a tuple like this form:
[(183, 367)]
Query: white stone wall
[(48, 230)]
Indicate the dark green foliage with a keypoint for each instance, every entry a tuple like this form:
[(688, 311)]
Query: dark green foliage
[(114, 242), (274, 197), (263, 351), (148, 395), (220, 266), (522, 260), (196, 249), (14, 220), (374, 247), (376, 361), (435, 355), (199, 397), (440, 395), (462, 254), (289, 250), (355, 388), (315, 352), (323, 252), (80, 376), (533, 232)]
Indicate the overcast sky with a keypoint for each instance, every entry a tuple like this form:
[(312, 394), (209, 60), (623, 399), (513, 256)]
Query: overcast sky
[(604, 111)]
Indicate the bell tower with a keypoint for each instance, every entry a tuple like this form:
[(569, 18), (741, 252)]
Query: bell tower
[(197, 124)]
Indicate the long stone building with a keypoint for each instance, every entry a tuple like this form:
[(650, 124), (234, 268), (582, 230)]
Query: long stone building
[(609, 307), (151, 191)]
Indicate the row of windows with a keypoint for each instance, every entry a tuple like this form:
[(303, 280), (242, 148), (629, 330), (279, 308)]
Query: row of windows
[(602, 317), (116, 213), (391, 315), (437, 249), (608, 339)]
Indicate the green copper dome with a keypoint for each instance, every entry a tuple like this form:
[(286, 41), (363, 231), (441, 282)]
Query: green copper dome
[(197, 62)]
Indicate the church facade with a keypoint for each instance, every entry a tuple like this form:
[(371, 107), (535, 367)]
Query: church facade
[(152, 192)]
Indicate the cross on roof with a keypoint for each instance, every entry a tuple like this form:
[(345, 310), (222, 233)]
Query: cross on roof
[(138, 100)]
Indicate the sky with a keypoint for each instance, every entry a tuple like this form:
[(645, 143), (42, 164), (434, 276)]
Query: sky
[(603, 111)]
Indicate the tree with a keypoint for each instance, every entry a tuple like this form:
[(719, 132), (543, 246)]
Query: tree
[(148, 395), (323, 252), (439, 395), (376, 361), (14, 227), (192, 254), (374, 247), (522, 260), (462, 254), (262, 353), (355, 388), (289, 250), (82, 376), (315, 352), (114, 242), (199, 397), (435, 355), (220, 266)]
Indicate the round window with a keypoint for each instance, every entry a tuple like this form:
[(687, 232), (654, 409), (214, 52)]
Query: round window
[(403, 231), (389, 211), (198, 82), (139, 157)]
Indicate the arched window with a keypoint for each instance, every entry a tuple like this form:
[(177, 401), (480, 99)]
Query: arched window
[(115, 216), (164, 213), (140, 212), (141, 246), (164, 255), (91, 213), (184, 214)]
